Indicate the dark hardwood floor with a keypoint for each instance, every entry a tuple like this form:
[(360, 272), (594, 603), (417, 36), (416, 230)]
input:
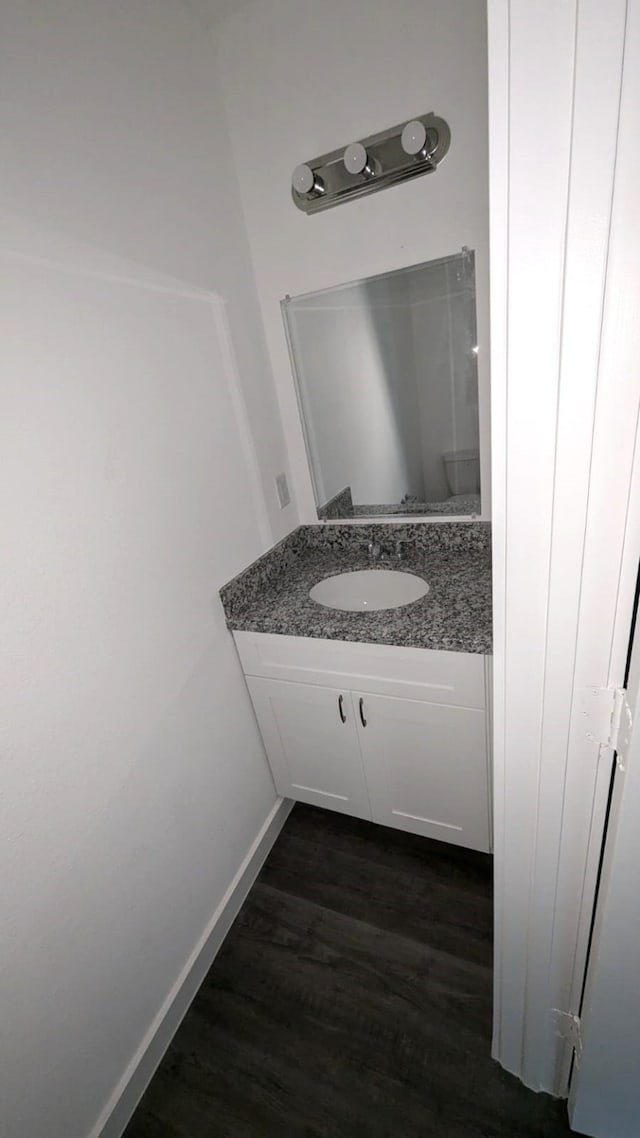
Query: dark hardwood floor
[(351, 999)]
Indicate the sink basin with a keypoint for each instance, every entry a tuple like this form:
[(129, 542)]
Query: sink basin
[(369, 589)]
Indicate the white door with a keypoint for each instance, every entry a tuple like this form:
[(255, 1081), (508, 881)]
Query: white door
[(605, 1087), (426, 767), (312, 744)]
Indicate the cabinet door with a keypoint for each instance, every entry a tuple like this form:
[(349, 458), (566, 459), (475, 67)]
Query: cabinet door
[(426, 768), (311, 740)]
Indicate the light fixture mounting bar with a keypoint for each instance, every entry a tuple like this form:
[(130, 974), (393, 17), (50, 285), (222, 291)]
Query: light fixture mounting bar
[(392, 156)]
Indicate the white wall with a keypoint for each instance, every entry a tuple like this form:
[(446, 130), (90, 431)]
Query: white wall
[(302, 78), (133, 779), (120, 143)]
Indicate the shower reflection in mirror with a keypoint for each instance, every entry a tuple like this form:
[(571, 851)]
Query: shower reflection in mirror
[(387, 382)]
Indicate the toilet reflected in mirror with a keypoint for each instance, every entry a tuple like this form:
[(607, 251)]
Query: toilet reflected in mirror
[(386, 373)]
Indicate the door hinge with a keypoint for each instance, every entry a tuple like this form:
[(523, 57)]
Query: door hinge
[(569, 1026), (607, 719)]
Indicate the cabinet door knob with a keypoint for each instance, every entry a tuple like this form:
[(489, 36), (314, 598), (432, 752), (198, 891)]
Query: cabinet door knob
[(341, 708), (362, 718)]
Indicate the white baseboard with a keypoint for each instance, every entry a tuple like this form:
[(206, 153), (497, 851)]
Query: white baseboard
[(137, 1076)]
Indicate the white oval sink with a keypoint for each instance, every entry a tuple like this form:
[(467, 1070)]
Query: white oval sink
[(369, 589)]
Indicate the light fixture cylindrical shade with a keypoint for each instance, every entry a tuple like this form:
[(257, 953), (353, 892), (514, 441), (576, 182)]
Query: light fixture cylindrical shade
[(356, 160), (304, 181), (414, 137)]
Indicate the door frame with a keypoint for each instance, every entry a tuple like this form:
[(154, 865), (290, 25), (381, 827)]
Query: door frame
[(566, 522)]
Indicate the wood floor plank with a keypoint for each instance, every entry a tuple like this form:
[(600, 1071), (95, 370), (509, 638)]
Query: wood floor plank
[(308, 953), (388, 846), (343, 1005), (423, 906)]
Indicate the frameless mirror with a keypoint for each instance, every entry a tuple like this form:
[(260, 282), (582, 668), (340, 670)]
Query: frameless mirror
[(387, 381)]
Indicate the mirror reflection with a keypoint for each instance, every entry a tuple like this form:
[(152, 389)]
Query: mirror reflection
[(386, 375)]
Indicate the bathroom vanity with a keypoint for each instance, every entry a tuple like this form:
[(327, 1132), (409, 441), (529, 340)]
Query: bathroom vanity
[(380, 714)]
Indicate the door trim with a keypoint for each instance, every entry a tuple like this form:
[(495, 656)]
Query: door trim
[(565, 542)]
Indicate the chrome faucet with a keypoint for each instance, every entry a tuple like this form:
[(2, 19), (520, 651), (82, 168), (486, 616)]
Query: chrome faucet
[(378, 552)]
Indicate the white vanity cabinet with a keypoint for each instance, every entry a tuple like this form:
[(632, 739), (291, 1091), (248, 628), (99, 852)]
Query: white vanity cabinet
[(426, 768), (311, 740), (396, 735)]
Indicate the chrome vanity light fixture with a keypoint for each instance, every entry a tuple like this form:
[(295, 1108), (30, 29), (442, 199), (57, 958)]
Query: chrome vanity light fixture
[(395, 155)]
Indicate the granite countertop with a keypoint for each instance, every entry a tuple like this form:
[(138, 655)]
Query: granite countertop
[(272, 595)]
